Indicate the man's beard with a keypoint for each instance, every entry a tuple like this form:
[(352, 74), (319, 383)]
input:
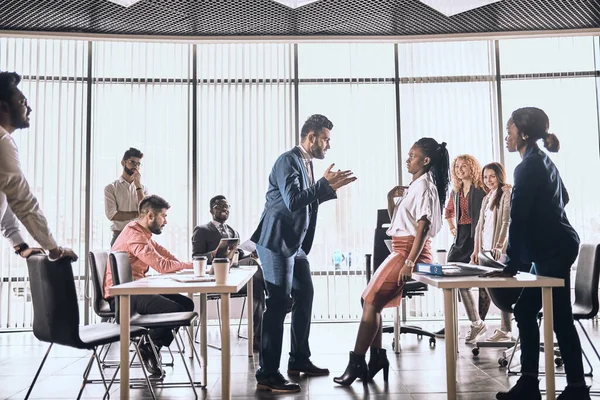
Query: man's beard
[(17, 119), (128, 171), (155, 228), (317, 152)]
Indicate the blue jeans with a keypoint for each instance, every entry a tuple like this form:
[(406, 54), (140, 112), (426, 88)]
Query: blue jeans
[(527, 309), (285, 276)]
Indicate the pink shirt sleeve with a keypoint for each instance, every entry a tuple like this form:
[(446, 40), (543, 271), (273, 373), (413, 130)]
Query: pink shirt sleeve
[(149, 255)]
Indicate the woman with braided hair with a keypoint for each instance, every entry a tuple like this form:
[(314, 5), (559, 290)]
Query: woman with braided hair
[(416, 217)]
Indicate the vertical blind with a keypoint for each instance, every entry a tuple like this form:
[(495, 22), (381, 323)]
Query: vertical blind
[(143, 96)]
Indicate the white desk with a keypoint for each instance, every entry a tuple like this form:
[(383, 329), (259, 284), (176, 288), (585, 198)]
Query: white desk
[(450, 286), (162, 284)]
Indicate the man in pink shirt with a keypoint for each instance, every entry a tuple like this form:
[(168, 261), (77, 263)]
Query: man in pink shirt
[(136, 240)]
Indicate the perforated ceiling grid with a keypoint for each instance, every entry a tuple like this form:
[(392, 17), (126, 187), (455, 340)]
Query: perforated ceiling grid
[(266, 17)]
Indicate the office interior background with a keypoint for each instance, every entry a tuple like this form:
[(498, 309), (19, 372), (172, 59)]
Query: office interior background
[(212, 116)]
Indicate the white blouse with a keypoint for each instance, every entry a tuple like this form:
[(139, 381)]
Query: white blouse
[(487, 234), (419, 200)]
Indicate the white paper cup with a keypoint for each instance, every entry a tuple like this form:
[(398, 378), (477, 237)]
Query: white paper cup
[(199, 265), (442, 257), (221, 268)]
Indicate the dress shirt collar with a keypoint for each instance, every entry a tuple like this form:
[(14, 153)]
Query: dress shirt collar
[(426, 176), (217, 223), (135, 225), (304, 154), (122, 180), (3, 131)]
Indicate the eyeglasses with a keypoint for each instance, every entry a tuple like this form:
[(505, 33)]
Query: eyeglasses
[(134, 163), (222, 206)]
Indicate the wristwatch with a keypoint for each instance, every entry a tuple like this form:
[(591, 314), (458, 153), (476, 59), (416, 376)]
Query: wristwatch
[(20, 247)]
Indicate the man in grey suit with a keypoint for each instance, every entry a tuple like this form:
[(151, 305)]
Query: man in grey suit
[(283, 239), (205, 241)]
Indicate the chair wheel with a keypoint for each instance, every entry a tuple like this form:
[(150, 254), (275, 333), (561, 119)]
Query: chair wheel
[(475, 351), (419, 337), (558, 362), (432, 342), (503, 362)]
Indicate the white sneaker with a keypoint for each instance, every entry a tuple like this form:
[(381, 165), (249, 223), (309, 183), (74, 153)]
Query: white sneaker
[(477, 330), (499, 336)]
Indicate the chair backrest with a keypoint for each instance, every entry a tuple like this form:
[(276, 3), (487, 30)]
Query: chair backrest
[(586, 279), (380, 250), (120, 268), (98, 260), (54, 298), (504, 298)]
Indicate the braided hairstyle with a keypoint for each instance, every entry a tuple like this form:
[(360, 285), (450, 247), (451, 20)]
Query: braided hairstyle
[(439, 166)]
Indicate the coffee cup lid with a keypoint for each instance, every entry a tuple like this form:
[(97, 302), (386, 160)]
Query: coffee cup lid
[(220, 260), (199, 258)]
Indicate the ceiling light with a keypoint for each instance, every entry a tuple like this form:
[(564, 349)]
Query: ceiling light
[(124, 3), (453, 7), (294, 3)]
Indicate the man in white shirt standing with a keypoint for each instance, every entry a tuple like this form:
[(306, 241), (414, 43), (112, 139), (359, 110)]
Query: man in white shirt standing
[(16, 198), (122, 197)]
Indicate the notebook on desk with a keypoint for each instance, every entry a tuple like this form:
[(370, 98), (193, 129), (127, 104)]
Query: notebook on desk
[(452, 269)]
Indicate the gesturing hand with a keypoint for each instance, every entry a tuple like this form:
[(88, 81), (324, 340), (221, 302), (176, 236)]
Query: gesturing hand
[(397, 191), (339, 178)]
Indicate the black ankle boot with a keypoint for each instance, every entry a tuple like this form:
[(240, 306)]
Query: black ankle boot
[(357, 368), (377, 362), (527, 387)]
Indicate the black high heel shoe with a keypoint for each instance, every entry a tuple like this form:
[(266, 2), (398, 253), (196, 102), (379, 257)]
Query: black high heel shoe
[(357, 368), (377, 362)]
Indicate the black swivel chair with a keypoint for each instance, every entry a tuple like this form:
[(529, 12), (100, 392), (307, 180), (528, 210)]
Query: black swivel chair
[(121, 273), (411, 288), (56, 316), (504, 299), (585, 305)]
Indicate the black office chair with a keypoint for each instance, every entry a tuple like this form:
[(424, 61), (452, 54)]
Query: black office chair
[(585, 305), (121, 273), (411, 288), (56, 316), (504, 299)]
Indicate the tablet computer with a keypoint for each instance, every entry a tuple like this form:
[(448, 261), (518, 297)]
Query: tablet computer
[(227, 248)]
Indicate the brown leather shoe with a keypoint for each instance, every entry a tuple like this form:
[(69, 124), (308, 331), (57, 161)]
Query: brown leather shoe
[(307, 368)]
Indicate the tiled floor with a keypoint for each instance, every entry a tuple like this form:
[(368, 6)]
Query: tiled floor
[(418, 372)]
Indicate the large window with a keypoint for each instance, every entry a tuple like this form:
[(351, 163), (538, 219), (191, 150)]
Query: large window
[(245, 98)]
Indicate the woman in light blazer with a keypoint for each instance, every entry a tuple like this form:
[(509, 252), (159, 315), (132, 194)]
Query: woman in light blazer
[(491, 233)]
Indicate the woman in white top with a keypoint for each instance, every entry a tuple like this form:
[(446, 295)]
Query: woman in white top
[(491, 233), (415, 218)]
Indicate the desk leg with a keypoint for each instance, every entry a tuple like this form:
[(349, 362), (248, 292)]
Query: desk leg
[(125, 335), (190, 348), (203, 339), (548, 341), (250, 316), (397, 328), (450, 328), (225, 347)]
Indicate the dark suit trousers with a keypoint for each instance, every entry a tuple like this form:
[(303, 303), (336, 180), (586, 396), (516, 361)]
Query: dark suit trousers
[(285, 276), (159, 304), (526, 311)]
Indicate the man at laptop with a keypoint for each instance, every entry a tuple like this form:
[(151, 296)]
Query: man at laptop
[(144, 253), (205, 241)]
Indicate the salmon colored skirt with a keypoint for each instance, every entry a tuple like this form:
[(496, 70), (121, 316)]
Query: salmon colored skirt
[(383, 290)]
